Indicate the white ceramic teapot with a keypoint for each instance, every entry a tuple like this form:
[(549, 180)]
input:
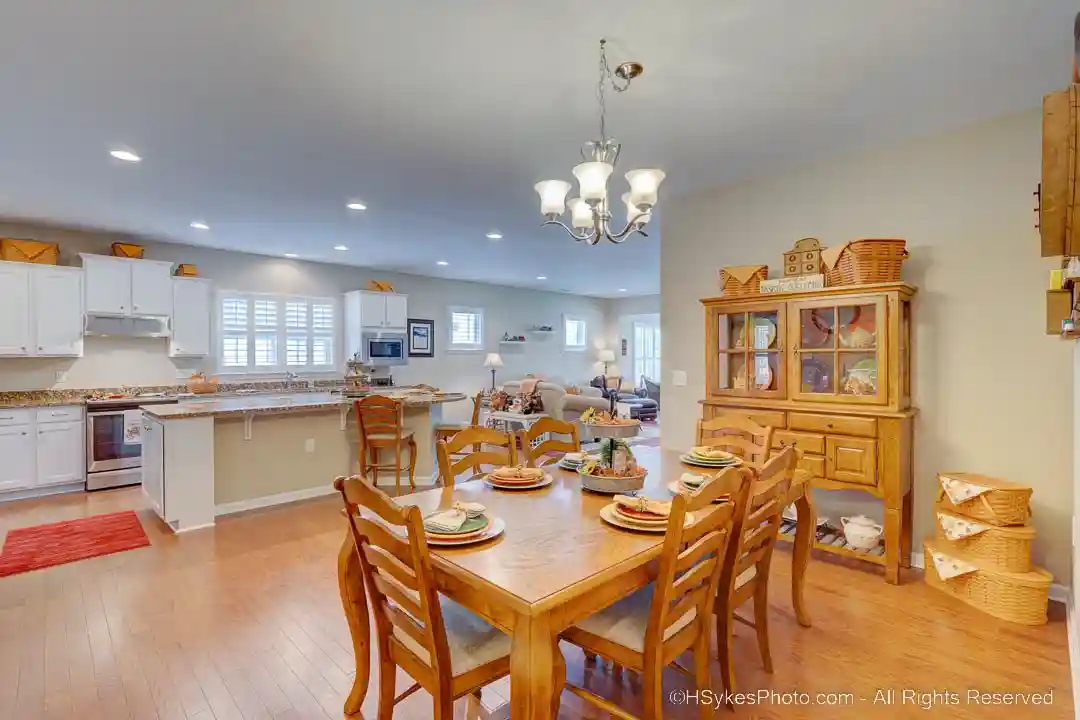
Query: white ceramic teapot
[(861, 532)]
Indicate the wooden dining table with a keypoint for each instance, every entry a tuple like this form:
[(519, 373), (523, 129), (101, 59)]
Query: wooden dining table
[(556, 563)]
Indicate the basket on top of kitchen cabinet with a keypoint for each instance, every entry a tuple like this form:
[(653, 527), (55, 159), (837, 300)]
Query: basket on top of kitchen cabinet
[(29, 251)]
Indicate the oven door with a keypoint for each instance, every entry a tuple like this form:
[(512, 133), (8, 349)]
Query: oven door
[(105, 446), (385, 349)]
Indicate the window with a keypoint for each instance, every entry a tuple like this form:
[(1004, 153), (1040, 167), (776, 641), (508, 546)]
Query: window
[(575, 333), (466, 328), (268, 333), (646, 351)]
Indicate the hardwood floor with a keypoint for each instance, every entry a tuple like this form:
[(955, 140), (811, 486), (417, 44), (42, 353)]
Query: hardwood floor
[(243, 622)]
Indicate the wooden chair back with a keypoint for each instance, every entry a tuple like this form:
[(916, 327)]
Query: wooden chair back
[(495, 449), (400, 582), (692, 561), (378, 415), (476, 409), (759, 528), (568, 442), (737, 434)]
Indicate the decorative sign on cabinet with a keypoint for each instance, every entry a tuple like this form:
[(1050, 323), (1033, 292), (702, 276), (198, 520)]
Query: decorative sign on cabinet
[(192, 299), (41, 448), (126, 288), (43, 310), (830, 370)]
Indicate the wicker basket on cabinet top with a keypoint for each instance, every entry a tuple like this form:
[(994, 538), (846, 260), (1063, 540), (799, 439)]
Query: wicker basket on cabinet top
[(29, 251), (742, 280), (128, 250), (1005, 548), (992, 500)]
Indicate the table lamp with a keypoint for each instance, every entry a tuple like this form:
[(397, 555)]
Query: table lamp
[(606, 356), (493, 361)]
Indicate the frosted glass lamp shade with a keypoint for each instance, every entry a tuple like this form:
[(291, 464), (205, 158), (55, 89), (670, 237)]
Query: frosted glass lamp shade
[(581, 215), (493, 361), (606, 356), (633, 214), (592, 180), (552, 196), (643, 186)]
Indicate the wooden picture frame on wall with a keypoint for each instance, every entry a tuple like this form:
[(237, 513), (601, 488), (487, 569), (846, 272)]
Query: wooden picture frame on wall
[(421, 335)]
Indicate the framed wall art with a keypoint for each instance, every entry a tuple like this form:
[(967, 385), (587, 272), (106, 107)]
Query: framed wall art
[(421, 338)]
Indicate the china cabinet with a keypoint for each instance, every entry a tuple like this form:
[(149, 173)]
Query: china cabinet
[(830, 371)]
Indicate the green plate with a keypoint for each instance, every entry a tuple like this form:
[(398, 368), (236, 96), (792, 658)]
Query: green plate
[(869, 364), (471, 525)]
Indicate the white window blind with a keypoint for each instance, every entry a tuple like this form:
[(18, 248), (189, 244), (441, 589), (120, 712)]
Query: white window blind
[(466, 328), (266, 333), (575, 333)]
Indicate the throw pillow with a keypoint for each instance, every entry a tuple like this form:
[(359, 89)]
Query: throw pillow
[(531, 403)]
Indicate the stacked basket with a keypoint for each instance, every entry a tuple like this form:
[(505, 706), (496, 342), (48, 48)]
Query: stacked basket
[(982, 550)]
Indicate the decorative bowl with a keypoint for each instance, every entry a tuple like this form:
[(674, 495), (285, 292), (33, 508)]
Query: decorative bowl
[(612, 485)]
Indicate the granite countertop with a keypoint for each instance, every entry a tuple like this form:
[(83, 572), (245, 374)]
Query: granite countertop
[(278, 404)]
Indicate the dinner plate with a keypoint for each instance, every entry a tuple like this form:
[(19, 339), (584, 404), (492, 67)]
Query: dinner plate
[(544, 482), (607, 514), (765, 329), (469, 527), (689, 459), (675, 487), (633, 515), (701, 451), (494, 530)]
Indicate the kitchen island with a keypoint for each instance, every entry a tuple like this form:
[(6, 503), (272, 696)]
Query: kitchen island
[(208, 457)]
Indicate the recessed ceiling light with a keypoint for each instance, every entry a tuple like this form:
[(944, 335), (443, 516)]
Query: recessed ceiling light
[(494, 235), (126, 156), (199, 225), (622, 289), (541, 277), (356, 206), (341, 247), (291, 255), (442, 262)]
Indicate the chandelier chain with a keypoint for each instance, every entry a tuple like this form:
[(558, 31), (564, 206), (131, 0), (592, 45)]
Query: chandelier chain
[(605, 73)]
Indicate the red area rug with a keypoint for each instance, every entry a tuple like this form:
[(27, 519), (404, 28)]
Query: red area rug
[(43, 546)]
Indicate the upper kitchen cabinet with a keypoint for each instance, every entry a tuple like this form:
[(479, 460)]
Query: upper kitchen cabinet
[(43, 310), (191, 299), (376, 310), (127, 287)]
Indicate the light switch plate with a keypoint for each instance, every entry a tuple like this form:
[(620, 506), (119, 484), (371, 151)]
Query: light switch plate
[(309, 445), (678, 378), (61, 376)]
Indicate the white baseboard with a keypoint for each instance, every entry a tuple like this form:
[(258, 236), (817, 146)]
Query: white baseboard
[(421, 482), (1058, 593), (270, 500), (38, 492)]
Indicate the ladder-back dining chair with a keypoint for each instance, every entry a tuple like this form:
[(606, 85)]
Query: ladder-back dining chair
[(737, 434), (649, 629), (566, 440), (496, 449), (448, 650), (381, 424), (746, 569), (445, 431)]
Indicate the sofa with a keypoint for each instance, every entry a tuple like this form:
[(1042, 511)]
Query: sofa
[(641, 407), (558, 403)]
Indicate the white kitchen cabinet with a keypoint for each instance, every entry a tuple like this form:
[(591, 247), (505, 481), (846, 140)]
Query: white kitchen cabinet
[(127, 287), (178, 470), (397, 311), (191, 299), (153, 464), (15, 324), (57, 311), (60, 453), (376, 311), (18, 453)]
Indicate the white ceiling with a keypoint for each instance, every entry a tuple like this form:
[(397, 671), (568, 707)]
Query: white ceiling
[(263, 117)]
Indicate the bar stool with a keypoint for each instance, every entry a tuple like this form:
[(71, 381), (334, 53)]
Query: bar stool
[(445, 431), (382, 427)]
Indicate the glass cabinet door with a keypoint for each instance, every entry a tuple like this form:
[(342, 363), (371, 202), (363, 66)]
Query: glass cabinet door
[(838, 350), (749, 357)]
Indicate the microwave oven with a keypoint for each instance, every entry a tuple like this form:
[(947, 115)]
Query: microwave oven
[(380, 349)]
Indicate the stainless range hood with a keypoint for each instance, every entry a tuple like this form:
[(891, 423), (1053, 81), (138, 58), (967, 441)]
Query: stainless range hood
[(138, 327)]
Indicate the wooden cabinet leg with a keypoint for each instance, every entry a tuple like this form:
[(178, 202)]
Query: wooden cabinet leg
[(906, 530), (354, 603), (805, 532), (892, 545)]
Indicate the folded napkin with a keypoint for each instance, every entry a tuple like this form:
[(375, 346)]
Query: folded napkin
[(710, 452), (517, 473), (644, 504), (452, 519), (574, 457), (692, 480)]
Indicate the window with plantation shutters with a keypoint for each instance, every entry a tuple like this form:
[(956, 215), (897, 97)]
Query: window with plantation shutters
[(466, 328), (575, 333), (262, 333)]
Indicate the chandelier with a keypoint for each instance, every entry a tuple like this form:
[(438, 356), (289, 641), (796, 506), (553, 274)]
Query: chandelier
[(590, 214)]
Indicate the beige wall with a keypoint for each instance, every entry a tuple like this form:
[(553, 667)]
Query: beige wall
[(110, 362), (994, 392)]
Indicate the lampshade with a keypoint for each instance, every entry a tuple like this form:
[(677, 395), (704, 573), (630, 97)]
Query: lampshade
[(592, 179), (493, 361), (633, 213), (643, 185), (552, 196), (581, 215), (606, 356)]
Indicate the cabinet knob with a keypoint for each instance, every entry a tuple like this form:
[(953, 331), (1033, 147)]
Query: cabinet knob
[(24, 432), (828, 425)]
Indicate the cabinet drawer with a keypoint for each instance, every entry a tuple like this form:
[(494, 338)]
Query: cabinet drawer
[(806, 442), (15, 416), (842, 424), (814, 464), (65, 413), (765, 418), (851, 460)]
